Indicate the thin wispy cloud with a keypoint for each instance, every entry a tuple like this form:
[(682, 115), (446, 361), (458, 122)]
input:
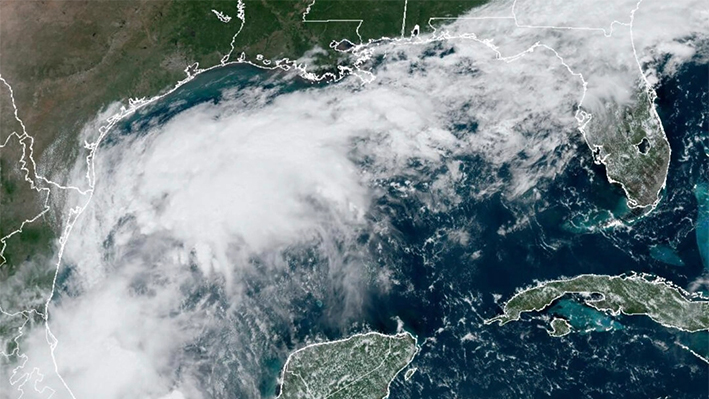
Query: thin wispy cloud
[(207, 234)]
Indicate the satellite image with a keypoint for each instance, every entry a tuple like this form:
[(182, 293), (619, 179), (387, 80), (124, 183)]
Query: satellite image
[(354, 199)]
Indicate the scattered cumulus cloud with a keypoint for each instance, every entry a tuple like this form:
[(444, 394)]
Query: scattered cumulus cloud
[(204, 232)]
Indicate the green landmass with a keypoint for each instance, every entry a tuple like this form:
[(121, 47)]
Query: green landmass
[(9, 328), (22, 233), (67, 60), (359, 367), (630, 141), (559, 327), (631, 295)]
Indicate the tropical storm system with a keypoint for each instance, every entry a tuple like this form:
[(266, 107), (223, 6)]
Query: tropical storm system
[(316, 199)]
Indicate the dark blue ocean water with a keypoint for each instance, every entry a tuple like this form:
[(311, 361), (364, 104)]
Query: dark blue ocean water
[(448, 287), (636, 358)]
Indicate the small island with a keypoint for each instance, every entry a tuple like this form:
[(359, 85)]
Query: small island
[(636, 294), (362, 366), (559, 327)]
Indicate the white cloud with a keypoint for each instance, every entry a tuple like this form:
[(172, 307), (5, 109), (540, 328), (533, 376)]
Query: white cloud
[(181, 270)]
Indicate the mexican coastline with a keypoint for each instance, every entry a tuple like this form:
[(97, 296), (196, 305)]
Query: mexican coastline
[(447, 289)]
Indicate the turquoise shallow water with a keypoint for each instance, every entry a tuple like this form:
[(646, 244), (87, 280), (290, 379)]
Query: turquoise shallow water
[(520, 359), (666, 254), (583, 318), (448, 285)]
